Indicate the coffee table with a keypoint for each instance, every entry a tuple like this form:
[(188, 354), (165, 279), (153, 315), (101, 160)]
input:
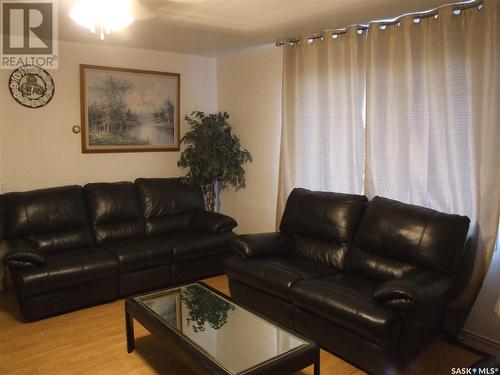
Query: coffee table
[(212, 334)]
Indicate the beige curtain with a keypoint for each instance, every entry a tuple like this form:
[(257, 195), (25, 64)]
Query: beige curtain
[(433, 121), (432, 89), (322, 138)]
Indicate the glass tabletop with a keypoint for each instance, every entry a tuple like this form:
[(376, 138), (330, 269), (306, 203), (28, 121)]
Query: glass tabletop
[(228, 334)]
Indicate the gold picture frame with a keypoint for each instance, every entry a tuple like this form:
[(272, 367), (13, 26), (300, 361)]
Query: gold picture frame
[(129, 110)]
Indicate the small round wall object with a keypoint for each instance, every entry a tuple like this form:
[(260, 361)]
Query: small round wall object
[(31, 86), (76, 129)]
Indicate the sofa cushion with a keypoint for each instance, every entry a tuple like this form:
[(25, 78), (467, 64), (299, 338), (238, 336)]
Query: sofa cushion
[(167, 204), (172, 223), (136, 254), (115, 211), (262, 245), (200, 246), (331, 217), (377, 267), (321, 251), (346, 300), (54, 219), (172, 238), (212, 222), (64, 239), (67, 269), (411, 234), (274, 275)]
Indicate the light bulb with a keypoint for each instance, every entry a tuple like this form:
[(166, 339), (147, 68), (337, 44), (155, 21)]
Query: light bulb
[(108, 15)]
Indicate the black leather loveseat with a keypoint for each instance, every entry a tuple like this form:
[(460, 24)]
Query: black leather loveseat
[(369, 281), (69, 247)]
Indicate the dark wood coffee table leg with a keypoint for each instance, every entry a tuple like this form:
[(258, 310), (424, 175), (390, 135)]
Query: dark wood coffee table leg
[(317, 364), (129, 327)]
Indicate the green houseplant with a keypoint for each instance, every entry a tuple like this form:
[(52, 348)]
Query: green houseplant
[(213, 155)]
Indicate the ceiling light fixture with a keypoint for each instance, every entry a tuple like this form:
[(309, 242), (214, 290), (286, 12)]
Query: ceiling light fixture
[(103, 16)]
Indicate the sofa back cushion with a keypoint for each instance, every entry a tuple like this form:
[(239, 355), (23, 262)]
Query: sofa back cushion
[(167, 204), (115, 211), (321, 251), (395, 238), (327, 216), (323, 224), (54, 219)]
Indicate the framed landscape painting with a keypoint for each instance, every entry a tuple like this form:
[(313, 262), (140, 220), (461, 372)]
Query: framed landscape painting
[(126, 110)]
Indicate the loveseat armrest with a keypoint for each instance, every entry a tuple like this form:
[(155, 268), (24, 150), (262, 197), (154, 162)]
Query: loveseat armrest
[(21, 254), (212, 222), (414, 290), (261, 245)]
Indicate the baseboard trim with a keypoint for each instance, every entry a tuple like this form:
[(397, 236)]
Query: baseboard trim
[(479, 342)]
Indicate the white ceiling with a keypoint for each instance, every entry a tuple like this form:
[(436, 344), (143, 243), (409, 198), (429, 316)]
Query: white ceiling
[(215, 27)]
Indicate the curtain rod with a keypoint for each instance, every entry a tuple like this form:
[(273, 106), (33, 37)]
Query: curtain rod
[(360, 28)]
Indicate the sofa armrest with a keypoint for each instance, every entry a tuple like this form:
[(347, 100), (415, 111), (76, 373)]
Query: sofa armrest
[(212, 222), (21, 254), (261, 245), (414, 290)]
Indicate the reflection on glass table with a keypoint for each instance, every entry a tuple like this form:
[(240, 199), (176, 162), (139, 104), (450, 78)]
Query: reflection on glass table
[(230, 335)]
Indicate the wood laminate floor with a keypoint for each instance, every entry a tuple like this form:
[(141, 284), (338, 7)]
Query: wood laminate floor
[(92, 341)]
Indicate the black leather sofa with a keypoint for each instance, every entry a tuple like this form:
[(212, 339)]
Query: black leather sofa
[(368, 281), (69, 247)]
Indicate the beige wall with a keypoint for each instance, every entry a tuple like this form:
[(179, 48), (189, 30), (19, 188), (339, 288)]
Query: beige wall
[(484, 319), (38, 148), (249, 89)]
